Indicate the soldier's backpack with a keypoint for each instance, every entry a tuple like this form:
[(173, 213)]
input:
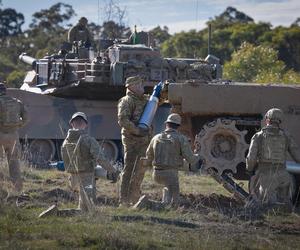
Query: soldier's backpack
[(273, 147), (73, 156), (166, 149), (10, 110)]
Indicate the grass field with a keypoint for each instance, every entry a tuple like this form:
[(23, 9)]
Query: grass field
[(208, 218)]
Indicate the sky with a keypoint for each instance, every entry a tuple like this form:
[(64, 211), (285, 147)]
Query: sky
[(178, 15)]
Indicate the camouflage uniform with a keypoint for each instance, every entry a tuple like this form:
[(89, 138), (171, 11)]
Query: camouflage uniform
[(130, 109), (13, 116), (80, 32), (267, 155), (81, 153), (165, 153)]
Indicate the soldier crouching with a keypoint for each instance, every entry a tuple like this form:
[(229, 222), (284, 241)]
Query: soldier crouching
[(165, 153), (271, 184)]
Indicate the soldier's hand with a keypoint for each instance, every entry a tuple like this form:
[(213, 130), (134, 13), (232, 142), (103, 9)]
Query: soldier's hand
[(113, 176), (142, 131)]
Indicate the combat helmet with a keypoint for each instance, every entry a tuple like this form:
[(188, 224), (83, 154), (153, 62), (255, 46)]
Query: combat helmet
[(132, 80), (275, 115), (2, 89), (174, 118), (79, 114)]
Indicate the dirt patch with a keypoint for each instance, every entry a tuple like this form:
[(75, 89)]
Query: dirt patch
[(57, 194)]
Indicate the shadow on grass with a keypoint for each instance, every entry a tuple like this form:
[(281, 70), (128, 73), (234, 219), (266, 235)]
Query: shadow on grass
[(134, 218)]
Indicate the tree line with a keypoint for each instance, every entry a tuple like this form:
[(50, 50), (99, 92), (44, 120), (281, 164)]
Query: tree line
[(250, 51)]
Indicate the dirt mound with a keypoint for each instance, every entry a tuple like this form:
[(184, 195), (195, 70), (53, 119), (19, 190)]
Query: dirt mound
[(57, 194), (216, 201), (107, 201)]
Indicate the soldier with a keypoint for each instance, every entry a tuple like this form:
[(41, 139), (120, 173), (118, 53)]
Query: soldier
[(12, 117), (81, 153), (135, 140), (80, 32), (266, 158), (166, 153)]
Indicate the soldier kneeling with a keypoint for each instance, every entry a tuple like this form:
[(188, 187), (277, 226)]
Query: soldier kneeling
[(165, 153)]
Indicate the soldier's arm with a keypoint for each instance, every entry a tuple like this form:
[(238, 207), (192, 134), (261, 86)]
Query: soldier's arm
[(149, 154), (293, 149), (187, 152), (124, 116), (23, 114), (252, 157), (98, 155)]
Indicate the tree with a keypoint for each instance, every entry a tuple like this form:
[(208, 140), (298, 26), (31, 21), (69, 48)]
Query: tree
[(230, 16), (112, 30), (10, 22), (52, 19), (258, 64), (160, 34)]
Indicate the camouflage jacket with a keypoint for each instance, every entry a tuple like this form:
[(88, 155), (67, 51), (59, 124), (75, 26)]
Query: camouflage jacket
[(168, 149), (269, 147), (13, 114), (78, 33), (81, 153), (130, 109)]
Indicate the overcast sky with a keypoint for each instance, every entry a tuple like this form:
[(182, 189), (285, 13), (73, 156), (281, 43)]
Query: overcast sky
[(178, 15)]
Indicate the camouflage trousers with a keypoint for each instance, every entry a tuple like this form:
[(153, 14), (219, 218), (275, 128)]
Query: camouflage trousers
[(11, 148), (169, 179), (272, 186), (85, 184), (133, 172)]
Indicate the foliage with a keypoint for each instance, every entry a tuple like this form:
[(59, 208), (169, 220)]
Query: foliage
[(258, 64), (160, 34), (230, 30), (10, 22)]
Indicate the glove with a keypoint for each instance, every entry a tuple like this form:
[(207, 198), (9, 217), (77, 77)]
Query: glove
[(197, 166), (141, 132), (113, 177)]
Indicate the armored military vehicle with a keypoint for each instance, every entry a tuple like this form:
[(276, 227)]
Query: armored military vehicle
[(76, 80), (221, 118)]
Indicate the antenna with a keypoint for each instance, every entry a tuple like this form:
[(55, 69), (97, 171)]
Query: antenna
[(209, 38), (98, 12)]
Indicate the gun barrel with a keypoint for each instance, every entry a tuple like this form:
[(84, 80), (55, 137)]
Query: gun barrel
[(28, 59)]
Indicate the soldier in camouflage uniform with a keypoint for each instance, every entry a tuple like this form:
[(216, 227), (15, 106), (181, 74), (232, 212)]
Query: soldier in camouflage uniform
[(80, 32), (166, 153), (12, 117), (81, 153), (134, 139), (271, 184)]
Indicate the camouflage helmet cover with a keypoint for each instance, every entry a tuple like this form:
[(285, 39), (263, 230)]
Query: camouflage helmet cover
[(83, 20), (274, 115), (79, 114), (174, 118), (133, 80)]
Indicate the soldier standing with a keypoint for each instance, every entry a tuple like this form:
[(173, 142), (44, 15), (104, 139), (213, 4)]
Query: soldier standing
[(80, 32), (266, 157), (12, 117), (135, 140), (81, 153), (165, 153)]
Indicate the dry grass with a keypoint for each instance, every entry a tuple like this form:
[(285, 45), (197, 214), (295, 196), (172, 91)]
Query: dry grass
[(201, 223)]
